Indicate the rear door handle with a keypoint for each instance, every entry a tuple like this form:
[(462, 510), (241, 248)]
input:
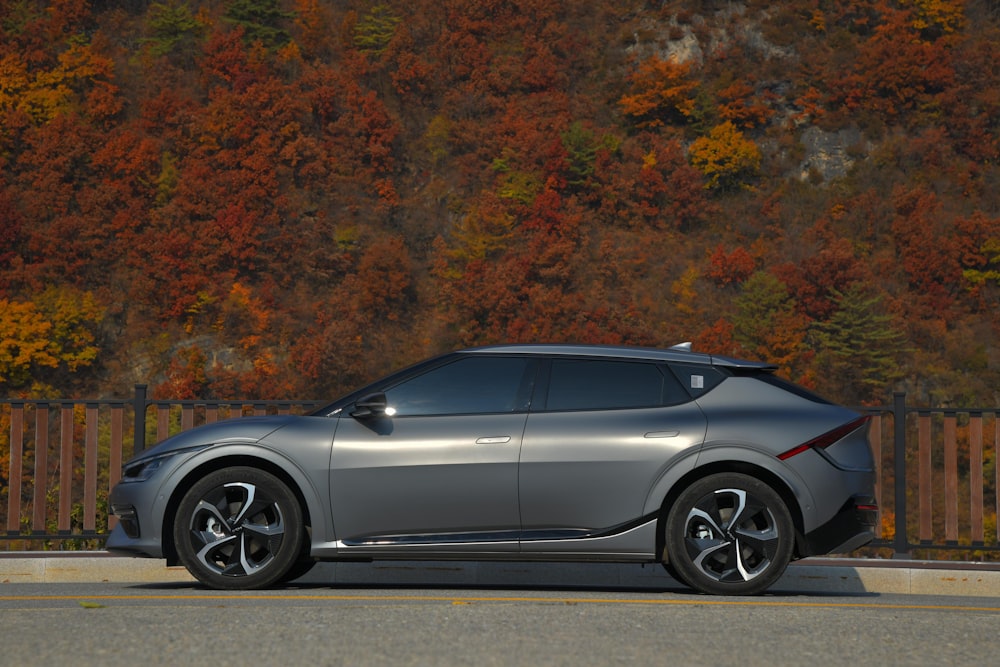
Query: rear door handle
[(662, 434), (493, 440)]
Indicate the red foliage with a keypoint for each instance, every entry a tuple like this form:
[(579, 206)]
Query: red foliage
[(730, 268)]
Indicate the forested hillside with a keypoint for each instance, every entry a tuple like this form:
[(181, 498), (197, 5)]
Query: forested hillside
[(283, 198)]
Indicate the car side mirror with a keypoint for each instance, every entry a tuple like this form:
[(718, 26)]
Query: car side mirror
[(372, 405)]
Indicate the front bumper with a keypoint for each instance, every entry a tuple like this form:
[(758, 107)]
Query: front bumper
[(136, 534)]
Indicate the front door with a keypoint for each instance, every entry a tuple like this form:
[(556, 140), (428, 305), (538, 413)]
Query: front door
[(438, 472)]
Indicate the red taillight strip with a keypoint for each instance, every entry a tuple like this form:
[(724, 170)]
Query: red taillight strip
[(826, 439)]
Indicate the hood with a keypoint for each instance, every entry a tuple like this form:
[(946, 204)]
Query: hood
[(238, 429)]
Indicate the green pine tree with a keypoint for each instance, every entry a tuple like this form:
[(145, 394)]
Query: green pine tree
[(858, 349), (261, 21)]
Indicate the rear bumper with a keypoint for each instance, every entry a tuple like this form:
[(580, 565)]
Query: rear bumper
[(851, 528)]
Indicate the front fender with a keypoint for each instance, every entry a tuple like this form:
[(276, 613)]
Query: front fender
[(305, 485)]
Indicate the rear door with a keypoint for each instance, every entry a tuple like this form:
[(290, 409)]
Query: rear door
[(598, 437)]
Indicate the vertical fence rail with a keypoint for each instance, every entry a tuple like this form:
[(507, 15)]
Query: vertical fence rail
[(16, 463), (40, 480), (63, 457), (976, 478), (901, 543)]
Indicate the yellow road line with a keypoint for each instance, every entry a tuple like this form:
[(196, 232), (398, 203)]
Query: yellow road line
[(502, 599)]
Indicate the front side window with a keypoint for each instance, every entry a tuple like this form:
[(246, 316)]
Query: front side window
[(604, 385), (471, 385)]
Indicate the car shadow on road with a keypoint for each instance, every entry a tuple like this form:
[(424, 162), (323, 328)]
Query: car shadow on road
[(539, 577)]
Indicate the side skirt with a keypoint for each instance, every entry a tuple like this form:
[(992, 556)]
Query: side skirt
[(633, 543)]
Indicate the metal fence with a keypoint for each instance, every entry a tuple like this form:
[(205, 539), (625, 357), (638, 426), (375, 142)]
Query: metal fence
[(937, 477)]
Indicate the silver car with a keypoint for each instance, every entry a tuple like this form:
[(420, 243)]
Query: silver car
[(712, 466)]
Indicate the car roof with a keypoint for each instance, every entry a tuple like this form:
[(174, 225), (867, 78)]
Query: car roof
[(678, 354)]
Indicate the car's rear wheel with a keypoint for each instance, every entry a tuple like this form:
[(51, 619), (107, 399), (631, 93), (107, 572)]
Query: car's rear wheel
[(239, 528), (729, 534)]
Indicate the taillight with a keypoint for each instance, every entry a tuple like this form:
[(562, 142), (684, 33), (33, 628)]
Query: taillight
[(827, 439)]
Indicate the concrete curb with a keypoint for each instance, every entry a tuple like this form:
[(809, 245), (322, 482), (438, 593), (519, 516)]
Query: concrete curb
[(823, 576)]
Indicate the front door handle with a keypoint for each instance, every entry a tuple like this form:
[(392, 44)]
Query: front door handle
[(493, 440)]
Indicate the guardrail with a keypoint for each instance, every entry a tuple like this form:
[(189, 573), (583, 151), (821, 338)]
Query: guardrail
[(937, 473)]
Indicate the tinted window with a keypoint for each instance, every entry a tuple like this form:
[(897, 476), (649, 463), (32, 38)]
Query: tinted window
[(467, 386), (595, 385)]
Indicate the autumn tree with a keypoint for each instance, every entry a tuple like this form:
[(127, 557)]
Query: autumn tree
[(662, 92), (43, 343), (725, 157), (767, 325)]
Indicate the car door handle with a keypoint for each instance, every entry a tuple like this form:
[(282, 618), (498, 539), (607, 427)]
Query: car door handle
[(493, 440), (662, 434)]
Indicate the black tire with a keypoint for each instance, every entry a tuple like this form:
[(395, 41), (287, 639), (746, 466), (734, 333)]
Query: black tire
[(239, 528), (729, 534), (299, 568)]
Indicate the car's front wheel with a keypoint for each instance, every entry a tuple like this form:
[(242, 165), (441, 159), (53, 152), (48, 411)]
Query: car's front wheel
[(238, 528), (729, 534)]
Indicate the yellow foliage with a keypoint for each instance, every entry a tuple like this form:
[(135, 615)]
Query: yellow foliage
[(725, 156), (47, 93), (942, 16), (24, 342), (684, 292), (482, 233), (56, 329)]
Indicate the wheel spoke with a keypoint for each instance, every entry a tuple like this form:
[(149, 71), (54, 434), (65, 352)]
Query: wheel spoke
[(701, 550), (216, 550), (211, 509), (763, 542), (249, 503), (714, 520)]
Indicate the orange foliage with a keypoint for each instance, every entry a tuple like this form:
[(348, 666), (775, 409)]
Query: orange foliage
[(662, 93)]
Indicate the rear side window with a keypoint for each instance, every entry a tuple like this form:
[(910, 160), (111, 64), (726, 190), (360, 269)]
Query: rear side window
[(604, 385)]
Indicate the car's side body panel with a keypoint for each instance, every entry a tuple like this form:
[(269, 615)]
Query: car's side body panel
[(591, 471), (417, 481)]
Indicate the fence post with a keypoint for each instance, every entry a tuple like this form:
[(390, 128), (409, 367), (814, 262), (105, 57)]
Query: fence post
[(139, 410), (901, 542)]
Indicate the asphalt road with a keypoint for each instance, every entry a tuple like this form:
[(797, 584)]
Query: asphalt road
[(183, 624)]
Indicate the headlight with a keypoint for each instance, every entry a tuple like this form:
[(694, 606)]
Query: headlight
[(142, 469)]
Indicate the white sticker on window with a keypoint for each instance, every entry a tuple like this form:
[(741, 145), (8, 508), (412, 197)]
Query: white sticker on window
[(697, 382)]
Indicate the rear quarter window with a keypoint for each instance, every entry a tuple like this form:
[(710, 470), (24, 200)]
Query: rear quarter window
[(608, 385), (697, 379)]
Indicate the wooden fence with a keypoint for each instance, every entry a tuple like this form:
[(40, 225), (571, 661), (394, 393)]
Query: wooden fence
[(937, 473)]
